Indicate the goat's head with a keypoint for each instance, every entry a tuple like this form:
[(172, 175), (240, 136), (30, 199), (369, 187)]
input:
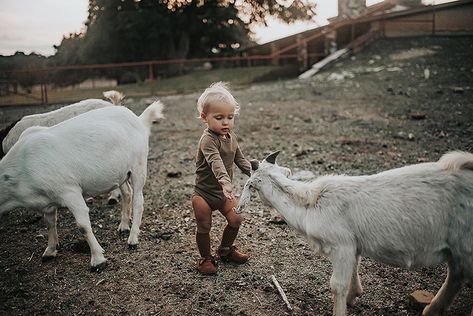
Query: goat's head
[(260, 176)]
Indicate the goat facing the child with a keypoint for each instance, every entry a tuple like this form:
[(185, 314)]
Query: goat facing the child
[(414, 216), (87, 155)]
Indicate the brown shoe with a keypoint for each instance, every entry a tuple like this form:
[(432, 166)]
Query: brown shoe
[(207, 265), (231, 254)]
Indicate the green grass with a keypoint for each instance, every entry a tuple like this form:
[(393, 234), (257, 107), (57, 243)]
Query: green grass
[(196, 81)]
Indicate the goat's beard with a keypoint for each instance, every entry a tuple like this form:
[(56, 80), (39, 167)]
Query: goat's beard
[(244, 198)]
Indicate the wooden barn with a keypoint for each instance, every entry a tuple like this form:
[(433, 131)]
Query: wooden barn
[(357, 24)]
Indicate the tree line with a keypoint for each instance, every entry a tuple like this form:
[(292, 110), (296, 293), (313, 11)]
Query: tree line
[(139, 30)]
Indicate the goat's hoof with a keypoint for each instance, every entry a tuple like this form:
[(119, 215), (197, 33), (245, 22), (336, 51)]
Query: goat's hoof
[(99, 268), (351, 302), (49, 254), (124, 232), (112, 201), (48, 258), (132, 246)]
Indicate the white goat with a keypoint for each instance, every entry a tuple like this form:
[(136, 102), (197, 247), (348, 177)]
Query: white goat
[(84, 156), (9, 136), (414, 216), (56, 116)]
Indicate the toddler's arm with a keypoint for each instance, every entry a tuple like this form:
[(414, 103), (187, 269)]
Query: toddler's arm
[(242, 162)]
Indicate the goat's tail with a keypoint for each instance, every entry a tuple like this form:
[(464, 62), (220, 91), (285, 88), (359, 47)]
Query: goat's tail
[(152, 113), (114, 96), (456, 160)]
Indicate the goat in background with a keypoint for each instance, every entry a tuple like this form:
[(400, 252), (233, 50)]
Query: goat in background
[(11, 134)]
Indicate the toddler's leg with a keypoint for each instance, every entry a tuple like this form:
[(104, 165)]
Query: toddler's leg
[(234, 221), (203, 216), (227, 251)]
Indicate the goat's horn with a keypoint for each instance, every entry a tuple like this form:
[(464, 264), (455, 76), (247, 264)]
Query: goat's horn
[(272, 157), (254, 164)]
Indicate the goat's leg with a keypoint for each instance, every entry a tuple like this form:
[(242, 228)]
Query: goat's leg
[(50, 217), (355, 286), (126, 208), (79, 209), (343, 260), (137, 181), (447, 292)]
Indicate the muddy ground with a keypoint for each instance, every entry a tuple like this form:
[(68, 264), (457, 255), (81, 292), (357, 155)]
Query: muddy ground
[(383, 114)]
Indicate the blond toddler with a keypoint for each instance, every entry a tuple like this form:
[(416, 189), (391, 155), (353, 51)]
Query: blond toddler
[(218, 150)]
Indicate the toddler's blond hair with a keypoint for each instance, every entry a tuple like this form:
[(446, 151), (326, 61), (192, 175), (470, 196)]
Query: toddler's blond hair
[(218, 91)]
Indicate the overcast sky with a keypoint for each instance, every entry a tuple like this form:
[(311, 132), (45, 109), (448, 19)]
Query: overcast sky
[(37, 25)]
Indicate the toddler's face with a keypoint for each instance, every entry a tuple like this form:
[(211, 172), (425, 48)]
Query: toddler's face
[(220, 117)]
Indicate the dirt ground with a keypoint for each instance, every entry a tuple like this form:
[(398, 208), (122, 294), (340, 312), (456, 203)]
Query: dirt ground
[(398, 102)]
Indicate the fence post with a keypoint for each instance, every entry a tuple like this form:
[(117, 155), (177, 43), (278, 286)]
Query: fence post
[(250, 76), (383, 24), (44, 93), (433, 21), (353, 34), (302, 54), (275, 59), (150, 78)]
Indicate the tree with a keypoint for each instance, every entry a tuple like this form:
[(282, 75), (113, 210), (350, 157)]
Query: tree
[(134, 30), (138, 30), (257, 11), (15, 68), (68, 53)]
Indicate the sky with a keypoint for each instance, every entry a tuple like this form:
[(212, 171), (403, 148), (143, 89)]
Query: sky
[(37, 25)]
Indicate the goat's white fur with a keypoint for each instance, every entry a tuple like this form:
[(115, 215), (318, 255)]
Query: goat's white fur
[(57, 116), (84, 156), (418, 215), (54, 117)]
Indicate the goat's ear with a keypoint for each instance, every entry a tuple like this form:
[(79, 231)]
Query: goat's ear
[(254, 164), (272, 157)]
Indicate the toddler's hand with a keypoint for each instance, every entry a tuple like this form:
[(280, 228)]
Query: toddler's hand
[(227, 190)]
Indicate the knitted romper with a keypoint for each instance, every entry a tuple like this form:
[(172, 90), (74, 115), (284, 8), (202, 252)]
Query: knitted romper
[(214, 162)]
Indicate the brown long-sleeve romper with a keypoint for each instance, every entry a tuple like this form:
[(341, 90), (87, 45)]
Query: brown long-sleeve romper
[(214, 162)]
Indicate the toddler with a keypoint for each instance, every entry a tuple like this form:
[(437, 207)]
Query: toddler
[(213, 190)]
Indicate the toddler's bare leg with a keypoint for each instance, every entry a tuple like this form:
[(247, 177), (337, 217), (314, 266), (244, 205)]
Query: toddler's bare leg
[(203, 217), (234, 221)]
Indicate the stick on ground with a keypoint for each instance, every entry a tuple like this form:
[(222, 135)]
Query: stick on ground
[(281, 292)]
